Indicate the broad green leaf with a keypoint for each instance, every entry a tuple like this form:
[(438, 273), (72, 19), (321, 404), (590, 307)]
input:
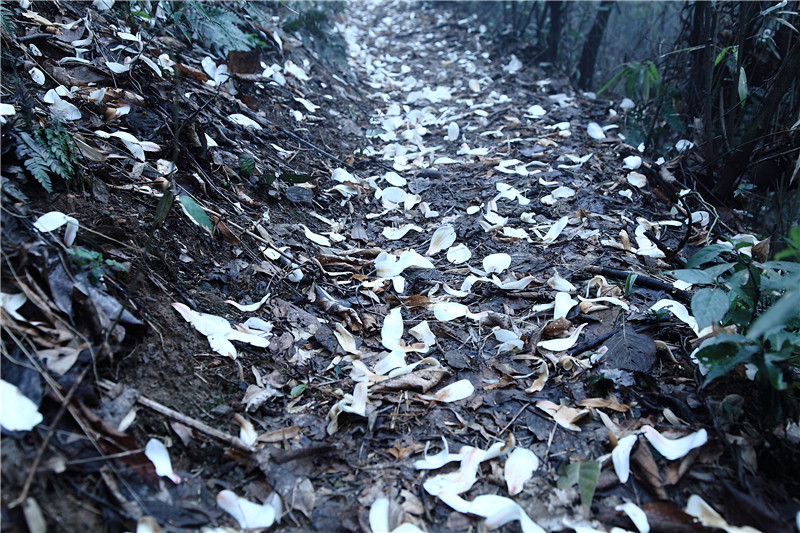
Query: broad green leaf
[(297, 390), (585, 474), (709, 306), (709, 253), (692, 276), (717, 270), (777, 315), (720, 56), (723, 357), (195, 213), (163, 208), (787, 266)]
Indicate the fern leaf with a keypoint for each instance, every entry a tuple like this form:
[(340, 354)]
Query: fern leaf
[(37, 162)]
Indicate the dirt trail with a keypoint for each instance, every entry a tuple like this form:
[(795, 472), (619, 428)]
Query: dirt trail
[(423, 295)]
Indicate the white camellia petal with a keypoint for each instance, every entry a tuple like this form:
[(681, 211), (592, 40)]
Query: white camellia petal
[(433, 462), (707, 516), (452, 132), (248, 308), (555, 230), (392, 329), (563, 303), (496, 262), (626, 104), (637, 180), (249, 515), (562, 345), (674, 448), (636, 514), (560, 284), (395, 179), (632, 162), (17, 411), (498, 510), (63, 110), (677, 309), (117, 68), (471, 210), (422, 332), (518, 469), (379, 516), (458, 254), (315, 237), (536, 111), (455, 391), (443, 238), (242, 120), (394, 234), (159, 456), (37, 75), (595, 131), (247, 432), (389, 265), (205, 323), (54, 220), (621, 457), (392, 360), (11, 302), (223, 346), (446, 311)]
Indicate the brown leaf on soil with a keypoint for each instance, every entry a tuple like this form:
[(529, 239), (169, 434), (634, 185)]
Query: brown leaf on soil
[(420, 380), (398, 451), (604, 404), (647, 470)]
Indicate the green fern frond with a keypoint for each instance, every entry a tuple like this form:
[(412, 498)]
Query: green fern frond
[(37, 161), (216, 27)]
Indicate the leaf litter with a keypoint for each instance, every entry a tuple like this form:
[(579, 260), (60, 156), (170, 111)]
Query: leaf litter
[(340, 407)]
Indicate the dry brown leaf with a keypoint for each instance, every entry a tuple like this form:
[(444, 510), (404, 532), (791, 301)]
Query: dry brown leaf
[(602, 403)]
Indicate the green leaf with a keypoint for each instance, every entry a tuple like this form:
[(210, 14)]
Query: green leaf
[(630, 281), (707, 254), (709, 306), (195, 213), (720, 56), (723, 357), (693, 276), (777, 315), (742, 86), (163, 208), (717, 270), (297, 390), (585, 474)]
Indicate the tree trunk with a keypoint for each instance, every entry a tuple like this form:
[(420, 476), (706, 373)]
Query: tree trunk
[(554, 35), (592, 44)]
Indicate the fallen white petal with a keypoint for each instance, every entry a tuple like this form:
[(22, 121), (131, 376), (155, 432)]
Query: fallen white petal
[(563, 304), (54, 220), (422, 332), (632, 162), (707, 516), (17, 411), (346, 339), (637, 180), (247, 432), (159, 456), (205, 323), (248, 514), (394, 234), (636, 514), (248, 308), (595, 131), (443, 238), (556, 229), (496, 262), (518, 469), (560, 284), (677, 309), (242, 120), (674, 448), (455, 391), (562, 345), (620, 457), (314, 237), (459, 254), (379, 516)]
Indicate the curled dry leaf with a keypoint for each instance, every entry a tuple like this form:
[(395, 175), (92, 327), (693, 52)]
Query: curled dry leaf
[(346, 339), (159, 456), (519, 468), (564, 416), (455, 391)]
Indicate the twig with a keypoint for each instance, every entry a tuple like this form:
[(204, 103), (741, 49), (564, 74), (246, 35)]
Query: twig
[(236, 442), (642, 280)]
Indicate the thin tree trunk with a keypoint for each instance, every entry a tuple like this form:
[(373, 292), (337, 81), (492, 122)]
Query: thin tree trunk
[(592, 44), (554, 35)]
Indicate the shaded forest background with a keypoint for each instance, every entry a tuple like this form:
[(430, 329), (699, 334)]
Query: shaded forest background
[(720, 75)]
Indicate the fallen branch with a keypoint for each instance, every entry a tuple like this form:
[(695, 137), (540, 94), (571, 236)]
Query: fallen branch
[(644, 281), (231, 440)]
